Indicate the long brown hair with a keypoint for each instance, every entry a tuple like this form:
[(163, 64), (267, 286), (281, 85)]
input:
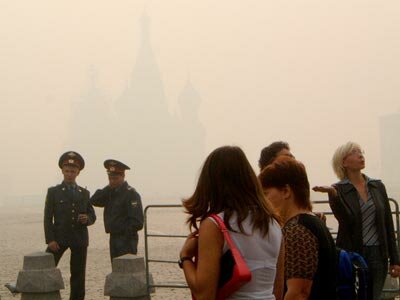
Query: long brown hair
[(227, 183)]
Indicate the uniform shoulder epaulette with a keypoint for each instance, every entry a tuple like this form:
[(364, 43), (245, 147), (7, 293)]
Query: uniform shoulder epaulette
[(82, 188), (131, 189), (54, 187)]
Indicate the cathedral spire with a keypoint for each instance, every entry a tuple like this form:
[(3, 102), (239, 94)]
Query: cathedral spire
[(145, 91), (145, 20)]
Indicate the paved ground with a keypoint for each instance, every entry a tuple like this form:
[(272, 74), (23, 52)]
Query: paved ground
[(21, 232)]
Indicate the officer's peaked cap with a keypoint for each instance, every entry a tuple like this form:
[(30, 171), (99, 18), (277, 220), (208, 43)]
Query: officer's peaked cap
[(71, 158), (115, 167)]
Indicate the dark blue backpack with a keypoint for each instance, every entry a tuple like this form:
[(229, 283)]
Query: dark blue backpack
[(352, 276)]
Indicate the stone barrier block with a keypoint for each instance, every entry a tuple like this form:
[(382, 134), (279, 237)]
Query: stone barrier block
[(125, 285), (128, 279), (39, 261), (39, 281), (41, 296), (128, 263), (39, 278)]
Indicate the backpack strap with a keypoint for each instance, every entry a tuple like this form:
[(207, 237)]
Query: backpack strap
[(345, 267), (358, 260)]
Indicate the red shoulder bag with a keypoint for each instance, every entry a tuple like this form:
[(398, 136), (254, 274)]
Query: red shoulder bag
[(234, 272)]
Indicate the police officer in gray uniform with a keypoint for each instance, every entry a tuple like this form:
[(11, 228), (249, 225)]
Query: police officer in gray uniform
[(67, 214), (123, 212)]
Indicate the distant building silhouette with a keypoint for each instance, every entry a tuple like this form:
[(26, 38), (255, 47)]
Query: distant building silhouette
[(91, 134), (163, 149), (153, 138), (145, 90), (390, 153), (192, 132)]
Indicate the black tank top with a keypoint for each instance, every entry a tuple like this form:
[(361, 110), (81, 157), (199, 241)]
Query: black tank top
[(324, 280)]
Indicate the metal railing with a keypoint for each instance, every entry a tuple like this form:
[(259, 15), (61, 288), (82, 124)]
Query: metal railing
[(394, 209), (148, 260)]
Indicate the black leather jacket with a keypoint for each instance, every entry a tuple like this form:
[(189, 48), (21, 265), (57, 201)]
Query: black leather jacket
[(346, 208), (61, 216)]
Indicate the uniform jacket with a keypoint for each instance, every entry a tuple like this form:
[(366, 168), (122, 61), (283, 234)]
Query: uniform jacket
[(61, 216), (123, 212), (346, 208)]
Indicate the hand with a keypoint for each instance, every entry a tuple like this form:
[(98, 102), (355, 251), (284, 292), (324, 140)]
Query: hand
[(189, 248), (325, 189), (54, 247), (83, 218), (394, 270)]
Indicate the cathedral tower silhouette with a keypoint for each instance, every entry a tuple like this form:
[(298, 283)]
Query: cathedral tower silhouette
[(164, 149)]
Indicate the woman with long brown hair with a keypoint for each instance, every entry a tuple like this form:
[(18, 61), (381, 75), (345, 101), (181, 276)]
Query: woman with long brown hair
[(228, 187)]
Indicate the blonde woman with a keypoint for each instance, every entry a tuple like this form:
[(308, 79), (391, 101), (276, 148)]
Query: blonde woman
[(361, 206)]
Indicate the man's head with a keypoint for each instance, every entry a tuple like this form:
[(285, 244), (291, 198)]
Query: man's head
[(269, 153), (116, 172), (70, 173), (71, 163)]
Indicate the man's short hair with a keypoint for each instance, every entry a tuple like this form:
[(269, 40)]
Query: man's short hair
[(269, 153)]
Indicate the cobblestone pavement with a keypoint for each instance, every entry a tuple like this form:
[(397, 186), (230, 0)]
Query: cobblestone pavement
[(22, 233)]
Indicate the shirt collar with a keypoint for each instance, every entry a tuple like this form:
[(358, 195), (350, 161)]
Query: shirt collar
[(347, 181), (70, 185)]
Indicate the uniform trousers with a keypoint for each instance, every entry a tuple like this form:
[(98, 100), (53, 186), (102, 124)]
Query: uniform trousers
[(77, 267), (121, 244)]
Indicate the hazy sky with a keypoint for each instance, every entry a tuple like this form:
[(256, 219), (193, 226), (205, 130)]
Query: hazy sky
[(313, 73)]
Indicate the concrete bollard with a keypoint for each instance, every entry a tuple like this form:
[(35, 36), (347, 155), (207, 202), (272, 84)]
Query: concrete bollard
[(127, 280), (39, 279), (391, 288)]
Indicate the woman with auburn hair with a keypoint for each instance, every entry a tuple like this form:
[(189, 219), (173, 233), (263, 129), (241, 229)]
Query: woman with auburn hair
[(361, 206), (228, 187), (270, 153), (310, 252)]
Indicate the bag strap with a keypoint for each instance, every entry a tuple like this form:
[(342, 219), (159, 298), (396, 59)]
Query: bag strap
[(225, 232), (241, 272)]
